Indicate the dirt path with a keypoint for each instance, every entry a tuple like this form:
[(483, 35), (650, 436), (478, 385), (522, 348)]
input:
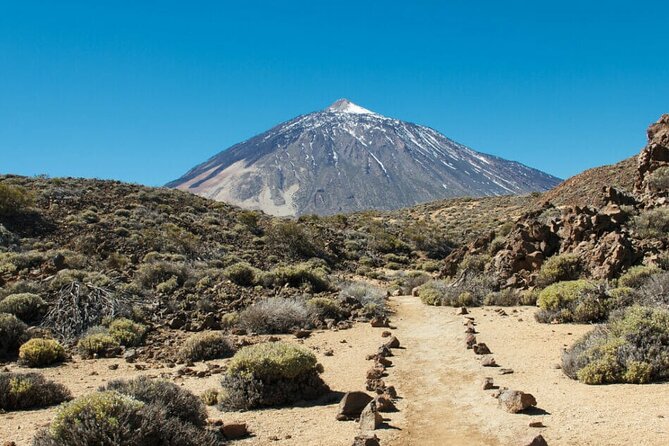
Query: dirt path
[(444, 403)]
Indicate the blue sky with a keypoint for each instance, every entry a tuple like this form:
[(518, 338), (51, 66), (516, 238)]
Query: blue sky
[(141, 91)]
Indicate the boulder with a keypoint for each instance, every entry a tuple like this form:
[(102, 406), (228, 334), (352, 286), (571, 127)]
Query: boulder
[(370, 419), (393, 342), (515, 401), (384, 403), (233, 431), (379, 321), (488, 361), (352, 403), (488, 384), (481, 349), (470, 340)]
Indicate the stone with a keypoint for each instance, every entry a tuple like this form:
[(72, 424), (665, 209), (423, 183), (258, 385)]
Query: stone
[(177, 321), (415, 292), (384, 351), (386, 334), (379, 321), (488, 361), (488, 384), (397, 292), (370, 419), (391, 392), (130, 355), (470, 340), (393, 343), (384, 403), (481, 349), (302, 333), (536, 424), (352, 403), (232, 431), (539, 440), (461, 311), (375, 373), (515, 401), (505, 371), (366, 440)]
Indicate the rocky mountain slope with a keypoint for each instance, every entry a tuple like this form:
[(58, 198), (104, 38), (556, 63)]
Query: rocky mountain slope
[(346, 158)]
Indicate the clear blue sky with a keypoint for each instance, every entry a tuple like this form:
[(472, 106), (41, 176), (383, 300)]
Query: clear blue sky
[(141, 91)]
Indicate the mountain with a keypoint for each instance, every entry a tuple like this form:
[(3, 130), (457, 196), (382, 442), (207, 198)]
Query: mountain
[(347, 158)]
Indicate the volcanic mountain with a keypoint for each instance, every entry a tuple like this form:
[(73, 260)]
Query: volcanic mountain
[(347, 158)]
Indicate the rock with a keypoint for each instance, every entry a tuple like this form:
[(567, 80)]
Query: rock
[(375, 373), (415, 291), (386, 334), (366, 440), (376, 385), (370, 419), (505, 371), (379, 321), (384, 351), (393, 343), (210, 322), (536, 441), (59, 262), (177, 321), (397, 292), (113, 367), (488, 361), (481, 349), (391, 392), (232, 431), (470, 329), (515, 401), (328, 352), (470, 340), (461, 311), (536, 424), (237, 331), (302, 333), (488, 384), (384, 403), (352, 403), (130, 355)]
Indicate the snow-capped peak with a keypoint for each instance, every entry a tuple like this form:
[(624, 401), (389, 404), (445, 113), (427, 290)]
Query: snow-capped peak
[(346, 106)]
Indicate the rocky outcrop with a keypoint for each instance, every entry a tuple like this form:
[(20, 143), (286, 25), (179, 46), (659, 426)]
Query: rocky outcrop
[(652, 157)]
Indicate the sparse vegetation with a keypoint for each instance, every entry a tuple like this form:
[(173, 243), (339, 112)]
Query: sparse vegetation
[(652, 223), (242, 274), (559, 268), (637, 275), (126, 332), (13, 200), (101, 345)]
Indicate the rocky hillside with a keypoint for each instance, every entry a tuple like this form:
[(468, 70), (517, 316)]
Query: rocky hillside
[(346, 158)]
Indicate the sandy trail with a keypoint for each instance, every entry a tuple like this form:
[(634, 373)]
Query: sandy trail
[(444, 403)]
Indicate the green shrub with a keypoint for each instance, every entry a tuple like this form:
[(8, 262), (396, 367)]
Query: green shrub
[(101, 345), (559, 268), (20, 391), (229, 320), (632, 348), (507, 297), (275, 315), (210, 397), (652, 223), (302, 274), (175, 401), (111, 418), (325, 308), (12, 334), (206, 345), (126, 332), (562, 294), (474, 263), (26, 306), (13, 200), (293, 239), (637, 275), (471, 290), (242, 274), (38, 352), (271, 374), (272, 360)]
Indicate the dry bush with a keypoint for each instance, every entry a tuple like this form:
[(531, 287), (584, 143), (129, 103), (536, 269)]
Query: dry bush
[(20, 391), (275, 315)]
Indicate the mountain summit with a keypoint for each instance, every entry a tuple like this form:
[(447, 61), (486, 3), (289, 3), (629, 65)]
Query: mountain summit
[(348, 158)]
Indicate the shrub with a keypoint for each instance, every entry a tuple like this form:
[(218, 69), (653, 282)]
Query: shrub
[(19, 391), (175, 401), (325, 308), (364, 294), (658, 180), (293, 239), (12, 334), (271, 374), (632, 348), (504, 298), (561, 294), (559, 268), (474, 263), (241, 273), (637, 275), (13, 200), (302, 274), (275, 315), (38, 352), (126, 332), (229, 320), (655, 290), (210, 397), (206, 345), (26, 306), (652, 223), (101, 345), (111, 418), (471, 289)]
